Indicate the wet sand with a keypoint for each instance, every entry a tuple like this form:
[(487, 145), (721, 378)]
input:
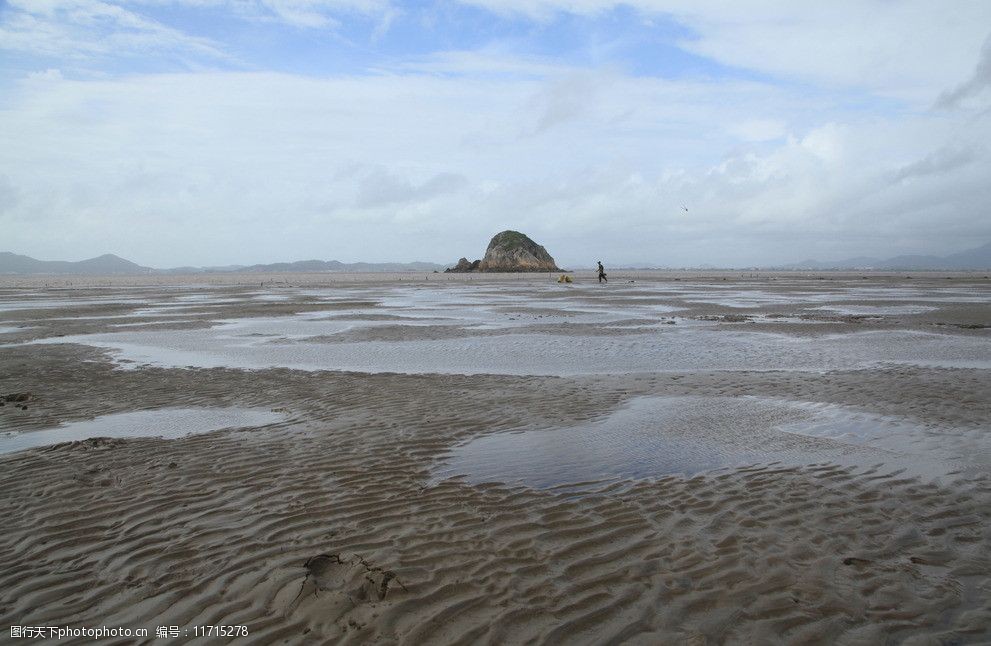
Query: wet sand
[(679, 459)]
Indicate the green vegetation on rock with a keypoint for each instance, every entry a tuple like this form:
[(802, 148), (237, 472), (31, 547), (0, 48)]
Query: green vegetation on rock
[(510, 251), (509, 240)]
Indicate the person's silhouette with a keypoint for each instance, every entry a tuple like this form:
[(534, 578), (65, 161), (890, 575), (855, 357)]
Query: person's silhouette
[(602, 272)]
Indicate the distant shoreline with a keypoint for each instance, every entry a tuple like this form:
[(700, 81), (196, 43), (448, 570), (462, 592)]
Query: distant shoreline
[(618, 276)]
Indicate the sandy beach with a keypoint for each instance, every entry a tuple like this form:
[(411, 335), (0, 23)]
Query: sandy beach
[(672, 458)]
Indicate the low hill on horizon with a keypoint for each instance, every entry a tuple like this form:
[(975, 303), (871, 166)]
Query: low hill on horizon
[(977, 258), (109, 264)]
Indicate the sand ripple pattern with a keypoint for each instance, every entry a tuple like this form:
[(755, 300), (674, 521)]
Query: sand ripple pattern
[(328, 527), (223, 529)]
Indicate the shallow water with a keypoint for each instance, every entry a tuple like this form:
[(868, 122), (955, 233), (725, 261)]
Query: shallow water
[(875, 310), (536, 329), (667, 349), (168, 423), (651, 437)]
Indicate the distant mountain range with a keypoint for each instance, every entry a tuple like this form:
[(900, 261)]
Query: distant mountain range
[(979, 258), (12, 263), (109, 264)]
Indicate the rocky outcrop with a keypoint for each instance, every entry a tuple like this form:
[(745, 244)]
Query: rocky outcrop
[(463, 266), (514, 251), (510, 251)]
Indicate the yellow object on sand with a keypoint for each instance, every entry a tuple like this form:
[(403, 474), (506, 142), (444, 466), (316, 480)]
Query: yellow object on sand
[(564, 278)]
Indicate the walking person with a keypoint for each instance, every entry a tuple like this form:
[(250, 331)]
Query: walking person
[(602, 272)]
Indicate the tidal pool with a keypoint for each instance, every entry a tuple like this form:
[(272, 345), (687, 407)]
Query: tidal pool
[(876, 310), (651, 437), (535, 329), (169, 423), (664, 349)]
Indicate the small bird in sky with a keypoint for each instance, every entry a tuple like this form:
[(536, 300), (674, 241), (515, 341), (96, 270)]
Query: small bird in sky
[(685, 208)]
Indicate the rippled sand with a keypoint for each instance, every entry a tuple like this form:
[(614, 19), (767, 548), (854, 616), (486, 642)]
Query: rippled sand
[(782, 459)]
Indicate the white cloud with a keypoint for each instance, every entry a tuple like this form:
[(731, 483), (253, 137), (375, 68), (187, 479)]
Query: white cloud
[(84, 30), (75, 30), (911, 49), (378, 187), (943, 160), (428, 157), (759, 130), (309, 14), (299, 14), (566, 99), (978, 85), (50, 74), (217, 168), (487, 61)]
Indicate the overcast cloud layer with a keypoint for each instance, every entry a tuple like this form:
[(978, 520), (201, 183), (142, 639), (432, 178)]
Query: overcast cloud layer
[(221, 131)]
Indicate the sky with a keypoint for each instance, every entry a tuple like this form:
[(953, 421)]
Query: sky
[(652, 132)]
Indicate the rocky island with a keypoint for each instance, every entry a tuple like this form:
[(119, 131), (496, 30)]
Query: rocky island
[(509, 251)]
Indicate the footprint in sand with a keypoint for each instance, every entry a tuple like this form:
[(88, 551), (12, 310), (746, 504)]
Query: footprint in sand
[(352, 578)]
